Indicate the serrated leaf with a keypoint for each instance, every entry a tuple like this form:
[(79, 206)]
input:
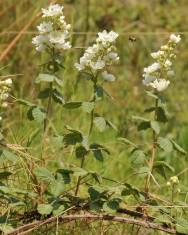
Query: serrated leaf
[(44, 209), (144, 125), (178, 147), (88, 106), (81, 151), (155, 126), (162, 167), (97, 151), (44, 174), (161, 115), (111, 206), (100, 123), (58, 97), (72, 105), (138, 157), (165, 144), (65, 173), (72, 138), (57, 188), (38, 114)]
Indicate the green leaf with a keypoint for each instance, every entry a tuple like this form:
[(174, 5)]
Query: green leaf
[(100, 123), (44, 94), (72, 138), (97, 151), (7, 155), (59, 210), (138, 157), (151, 94), (44, 209), (5, 175), (161, 167), (42, 77), (178, 147), (38, 114), (161, 115), (111, 206), (144, 125), (81, 151), (58, 81), (155, 126), (57, 188), (72, 105), (44, 174), (96, 192), (182, 226), (79, 171), (165, 144), (88, 106), (65, 173), (141, 118), (110, 124), (58, 97), (126, 141), (96, 177), (99, 92), (25, 102)]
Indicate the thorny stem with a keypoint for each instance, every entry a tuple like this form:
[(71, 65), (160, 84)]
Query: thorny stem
[(90, 131), (153, 152)]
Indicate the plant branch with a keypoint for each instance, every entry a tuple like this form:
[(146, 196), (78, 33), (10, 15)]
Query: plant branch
[(32, 226), (153, 152)]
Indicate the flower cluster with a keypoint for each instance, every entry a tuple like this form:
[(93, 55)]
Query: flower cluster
[(101, 55), (54, 31), (173, 180), (155, 75), (5, 87)]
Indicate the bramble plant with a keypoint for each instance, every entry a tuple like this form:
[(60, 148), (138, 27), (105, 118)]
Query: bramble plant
[(66, 191)]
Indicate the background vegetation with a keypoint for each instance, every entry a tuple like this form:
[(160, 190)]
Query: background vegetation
[(143, 26)]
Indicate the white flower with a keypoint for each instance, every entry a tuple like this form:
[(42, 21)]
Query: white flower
[(53, 10), (157, 54), (40, 42), (168, 63), (148, 79), (152, 68), (0, 118), (174, 179), (108, 77), (107, 37), (160, 84), (174, 38), (57, 37), (45, 27), (99, 64)]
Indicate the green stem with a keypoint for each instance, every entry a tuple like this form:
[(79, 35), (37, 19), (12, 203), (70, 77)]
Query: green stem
[(49, 104), (90, 131), (153, 153)]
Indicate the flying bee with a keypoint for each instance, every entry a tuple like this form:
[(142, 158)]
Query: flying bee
[(132, 39)]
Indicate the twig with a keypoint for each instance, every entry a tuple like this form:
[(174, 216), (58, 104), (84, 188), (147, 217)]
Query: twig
[(145, 224)]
